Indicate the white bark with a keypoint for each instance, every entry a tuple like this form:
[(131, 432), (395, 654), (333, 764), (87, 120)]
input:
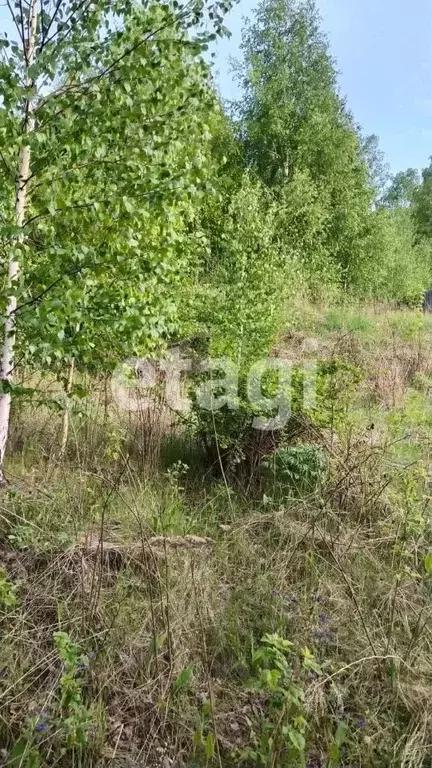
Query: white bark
[(8, 343)]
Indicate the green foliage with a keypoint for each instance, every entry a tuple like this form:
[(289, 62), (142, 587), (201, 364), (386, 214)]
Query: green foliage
[(408, 328), (287, 78), (247, 271), (69, 720), (280, 736), (377, 166), (403, 270), (119, 165), (246, 291), (421, 196), (183, 680), (344, 319), (336, 388), (74, 717), (403, 188), (299, 469), (302, 143), (8, 591), (204, 742), (335, 751), (427, 563), (24, 754)]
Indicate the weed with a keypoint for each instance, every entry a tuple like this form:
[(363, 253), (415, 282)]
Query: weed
[(8, 591), (75, 718), (279, 736)]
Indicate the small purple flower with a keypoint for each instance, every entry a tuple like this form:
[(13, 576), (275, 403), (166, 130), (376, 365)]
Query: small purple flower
[(323, 618), (361, 723), (40, 727)]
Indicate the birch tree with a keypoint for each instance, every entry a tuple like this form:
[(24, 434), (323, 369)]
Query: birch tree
[(103, 124), (301, 141)]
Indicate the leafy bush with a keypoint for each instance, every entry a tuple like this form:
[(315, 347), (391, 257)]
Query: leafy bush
[(243, 312), (403, 270), (300, 469)]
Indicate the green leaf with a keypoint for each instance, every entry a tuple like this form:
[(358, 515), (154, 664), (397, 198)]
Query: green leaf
[(23, 754), (297, 739), (427, 563), (209, 746), (341, 733), (184, 679), (128, 204)]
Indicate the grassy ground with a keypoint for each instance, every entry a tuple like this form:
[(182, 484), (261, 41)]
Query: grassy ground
[(154, 614)]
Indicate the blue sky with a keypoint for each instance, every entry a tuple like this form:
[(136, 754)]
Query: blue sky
[(384, 53), (383, 50)]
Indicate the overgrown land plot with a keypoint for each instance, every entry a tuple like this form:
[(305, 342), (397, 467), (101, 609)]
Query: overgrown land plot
[(210, 585)]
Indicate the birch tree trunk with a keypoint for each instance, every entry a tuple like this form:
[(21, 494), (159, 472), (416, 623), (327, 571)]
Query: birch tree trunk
[(8, 341)]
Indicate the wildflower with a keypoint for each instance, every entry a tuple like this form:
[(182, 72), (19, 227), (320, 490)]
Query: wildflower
[(361, 723), (323, 618), (40, 727)]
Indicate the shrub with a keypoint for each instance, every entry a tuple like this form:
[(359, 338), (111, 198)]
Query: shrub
[(242, 315), (300, 469)]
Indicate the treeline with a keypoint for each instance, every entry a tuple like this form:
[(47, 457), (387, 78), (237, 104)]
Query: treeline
[(136, 209), (301, 200), (342, 223)]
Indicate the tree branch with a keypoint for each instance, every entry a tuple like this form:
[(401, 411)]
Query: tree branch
[(55, 12), (84, 87), (9, 170), (79, 206), (35, 299), (18, 28)]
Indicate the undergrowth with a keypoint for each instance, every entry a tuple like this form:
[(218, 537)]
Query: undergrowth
[(159, 613)]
